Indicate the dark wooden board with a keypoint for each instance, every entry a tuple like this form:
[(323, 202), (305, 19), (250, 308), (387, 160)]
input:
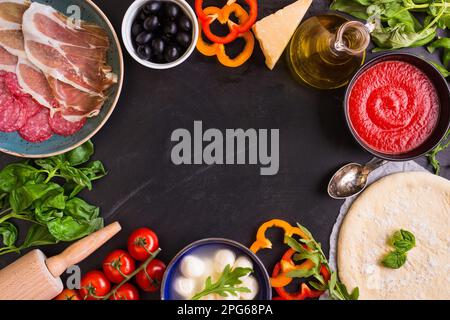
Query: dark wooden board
[(186, 203)]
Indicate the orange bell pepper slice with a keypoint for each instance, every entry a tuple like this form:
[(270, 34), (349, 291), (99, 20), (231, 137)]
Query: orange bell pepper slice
[(218, 49), (281, 279)]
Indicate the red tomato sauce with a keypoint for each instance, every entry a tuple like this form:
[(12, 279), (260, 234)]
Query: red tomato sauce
[(393, 107)]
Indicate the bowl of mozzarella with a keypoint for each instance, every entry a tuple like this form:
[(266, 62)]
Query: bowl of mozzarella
[(216, 269)]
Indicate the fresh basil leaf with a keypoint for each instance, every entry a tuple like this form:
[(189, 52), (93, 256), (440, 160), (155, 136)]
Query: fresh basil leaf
[(69, 229), (80, 155), (403, 240), (38, 235), (9, 233), (439, 43), (81, 210), (355, 8), (77, 176), (16, 175), (23, 197), (394, 259)]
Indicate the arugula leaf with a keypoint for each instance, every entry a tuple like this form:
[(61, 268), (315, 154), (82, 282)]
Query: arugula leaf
[(432, 156), (227, 284), (314, 252)]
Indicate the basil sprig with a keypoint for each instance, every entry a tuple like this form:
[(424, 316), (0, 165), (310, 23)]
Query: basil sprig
[(403, 241), (44, 193)]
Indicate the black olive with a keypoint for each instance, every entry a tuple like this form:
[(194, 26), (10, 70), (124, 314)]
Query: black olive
[(183, 39), (184, 23), (158, 46), (172, 53), (144, 52), (153, 7), (142, 15), (158, 58), (171, 10), (136, 29), (170, 29), (151, 23), (144, 38)]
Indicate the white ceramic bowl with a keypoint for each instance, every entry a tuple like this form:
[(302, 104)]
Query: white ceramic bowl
[(127, 23)]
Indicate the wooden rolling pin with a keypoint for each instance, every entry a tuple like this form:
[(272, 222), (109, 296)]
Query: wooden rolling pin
[(34, 277)]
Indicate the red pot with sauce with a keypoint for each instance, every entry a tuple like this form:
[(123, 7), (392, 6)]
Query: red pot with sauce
[(398, 107)]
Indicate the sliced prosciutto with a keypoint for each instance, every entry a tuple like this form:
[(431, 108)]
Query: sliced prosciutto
[(71, 52), (8, 62), (33, 81), (37, 129), (11, 36)]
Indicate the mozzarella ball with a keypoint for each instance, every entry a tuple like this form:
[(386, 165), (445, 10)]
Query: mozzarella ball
[(184, 287), (229, 297), (211, 296), (192, 267), (222, 258), (243, 262), (252, 284)]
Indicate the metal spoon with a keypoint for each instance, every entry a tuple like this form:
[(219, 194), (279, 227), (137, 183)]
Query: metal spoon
[(351, 179)]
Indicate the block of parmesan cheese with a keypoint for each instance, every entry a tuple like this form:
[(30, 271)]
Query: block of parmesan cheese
[(274, 32)]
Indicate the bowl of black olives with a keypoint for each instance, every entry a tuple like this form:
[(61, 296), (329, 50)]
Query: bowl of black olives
[(160, 34)]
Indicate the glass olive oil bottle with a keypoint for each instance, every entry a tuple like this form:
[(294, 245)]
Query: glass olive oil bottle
[(326, 50)]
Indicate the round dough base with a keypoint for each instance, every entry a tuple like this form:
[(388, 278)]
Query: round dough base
[(415, 201)]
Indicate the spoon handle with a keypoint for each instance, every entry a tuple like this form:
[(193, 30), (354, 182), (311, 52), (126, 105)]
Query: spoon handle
[(373, 164)]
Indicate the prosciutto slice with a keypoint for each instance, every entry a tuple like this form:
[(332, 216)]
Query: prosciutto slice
[(11, 36), (73, 52), (8, 61)]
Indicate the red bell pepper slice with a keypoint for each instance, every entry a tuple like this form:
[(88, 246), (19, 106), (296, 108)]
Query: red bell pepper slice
[(236, 29)]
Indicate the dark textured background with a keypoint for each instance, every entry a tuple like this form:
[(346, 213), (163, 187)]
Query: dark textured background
[(187, 203)]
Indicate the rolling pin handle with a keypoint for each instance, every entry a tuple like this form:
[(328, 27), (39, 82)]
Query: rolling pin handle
[(81, 249)]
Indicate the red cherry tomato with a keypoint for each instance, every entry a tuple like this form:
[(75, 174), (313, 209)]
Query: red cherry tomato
[(117, 265), (68, 294), (141, 243), (126, 292), (150, 279), (94, 285)]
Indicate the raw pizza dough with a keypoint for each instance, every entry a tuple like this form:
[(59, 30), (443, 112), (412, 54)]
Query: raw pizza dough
[(415, 201)]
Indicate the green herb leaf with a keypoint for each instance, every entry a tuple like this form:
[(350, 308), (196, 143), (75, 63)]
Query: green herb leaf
[(38, 235), (403, 240), (227, 284), (9, 233), (394, 259), (81, 154)]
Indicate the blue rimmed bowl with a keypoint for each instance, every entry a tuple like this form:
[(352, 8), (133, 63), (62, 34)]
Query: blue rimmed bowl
[(13, 144), (259, 271)]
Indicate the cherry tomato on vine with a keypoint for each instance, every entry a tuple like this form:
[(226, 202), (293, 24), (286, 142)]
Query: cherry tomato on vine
[(126, 292), (94, 285), (117, 265), (150, 279), (68, 294), (141, 243)]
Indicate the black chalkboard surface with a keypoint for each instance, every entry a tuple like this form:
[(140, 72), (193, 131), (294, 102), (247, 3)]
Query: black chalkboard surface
[(186, 203)]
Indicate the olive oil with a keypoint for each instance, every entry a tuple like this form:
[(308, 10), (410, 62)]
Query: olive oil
[(326, 50)]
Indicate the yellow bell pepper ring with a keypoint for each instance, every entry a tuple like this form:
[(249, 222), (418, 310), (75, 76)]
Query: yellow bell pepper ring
[(263, 243)]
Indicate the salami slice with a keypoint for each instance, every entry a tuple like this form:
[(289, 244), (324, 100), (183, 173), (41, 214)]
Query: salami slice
[(37, 129), (10, 114), (63, 127), (30, 105), (12, 84)]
